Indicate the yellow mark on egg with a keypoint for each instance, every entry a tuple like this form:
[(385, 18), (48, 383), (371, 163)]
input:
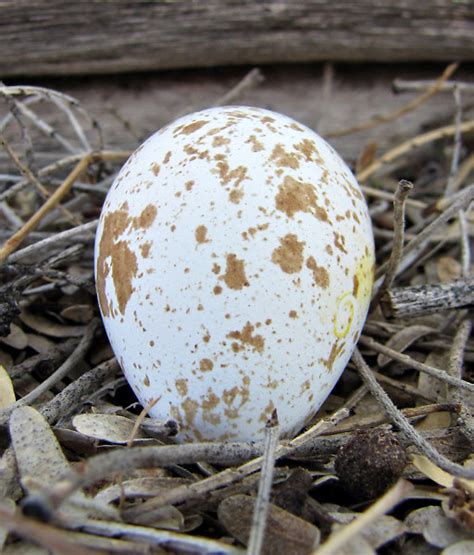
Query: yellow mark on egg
[(344, 315)]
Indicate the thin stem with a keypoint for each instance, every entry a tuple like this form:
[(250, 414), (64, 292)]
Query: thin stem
[(400, 420), (259, 522)]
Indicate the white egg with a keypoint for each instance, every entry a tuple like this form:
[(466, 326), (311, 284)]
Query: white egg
[(234, 266)]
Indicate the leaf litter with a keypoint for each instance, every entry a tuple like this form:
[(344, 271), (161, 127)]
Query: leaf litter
[(83, 469)]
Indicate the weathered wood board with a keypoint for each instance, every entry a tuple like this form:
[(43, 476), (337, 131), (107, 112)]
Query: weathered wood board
[(53, 37), (131, 107)]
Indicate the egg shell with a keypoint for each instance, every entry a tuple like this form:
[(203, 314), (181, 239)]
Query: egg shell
[(234, 266)]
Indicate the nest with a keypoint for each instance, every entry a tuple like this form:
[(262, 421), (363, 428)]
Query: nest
[(83, 469)]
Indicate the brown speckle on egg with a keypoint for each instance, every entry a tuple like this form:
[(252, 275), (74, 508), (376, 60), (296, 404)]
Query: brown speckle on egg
[(234, 276), (289, 255)]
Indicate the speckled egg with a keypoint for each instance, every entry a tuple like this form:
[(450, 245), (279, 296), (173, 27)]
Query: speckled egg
[(234, 266)]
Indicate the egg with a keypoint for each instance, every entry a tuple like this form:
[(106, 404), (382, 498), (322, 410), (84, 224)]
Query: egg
[(234, 265)]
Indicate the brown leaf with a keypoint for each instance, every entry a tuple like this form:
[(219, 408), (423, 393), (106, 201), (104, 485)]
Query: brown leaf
[(367, 156), (284, 533), (16, 339), (106, 427), (448, 269), (7, 393), (79, 313), (436, 528), (47, 327), (402, 340)]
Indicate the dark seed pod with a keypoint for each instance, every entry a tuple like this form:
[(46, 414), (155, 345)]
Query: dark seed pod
[(369, 463)]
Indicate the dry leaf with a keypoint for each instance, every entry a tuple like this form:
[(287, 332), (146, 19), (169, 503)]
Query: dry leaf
[(4, 531), (47, 327), (40, 344), (16, 339), (460, 504), (79, 313), (25, 548), (284, 533), (367, 156), (448, 269), (38, 453), (106, 427), (402, 340), (7, 393), (385, 529), (139, 487), (438, 475), (465, 547), (165, 518), (435, 526)]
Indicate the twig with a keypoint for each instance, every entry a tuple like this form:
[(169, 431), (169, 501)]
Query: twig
[(78, 391), (388, 501), (230, 475), (76, 233), (21, 90), (420, 366), (405, 387), (69, 364), (465, 244), (449, 189), (253, 78), (259, 521), (56, 197), (139, 420), (403, 190), (421, 300), (403, 85), (176, 541), (25, 170), (379, 419), (461, 201), (121, 461), (412, 105), (419, 140), (386, 195), (400, 420), (455, 368), (54, 539)]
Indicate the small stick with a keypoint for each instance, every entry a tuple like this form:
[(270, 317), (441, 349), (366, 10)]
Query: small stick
[(25, 170), (84, 230), (259, 521), (387, 502), (253, 78), (379, 419), (401, 421), (52, 95), (421, 300), (69, 364), (56, 197), (139, 420), (465, 244), (386, 195), (402, 85), (412, 105), (449, 189), (455, 368), (419, 140), (420, 366), (403, 190), (464, 199), (78, 390), (101, 466)]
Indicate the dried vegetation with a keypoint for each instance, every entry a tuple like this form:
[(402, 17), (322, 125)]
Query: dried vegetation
[(387, 465)]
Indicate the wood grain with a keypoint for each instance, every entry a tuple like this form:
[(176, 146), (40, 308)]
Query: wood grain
[(53, 37)]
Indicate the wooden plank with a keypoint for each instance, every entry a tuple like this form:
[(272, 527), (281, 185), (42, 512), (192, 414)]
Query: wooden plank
[(130, 108), (53, 37)]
